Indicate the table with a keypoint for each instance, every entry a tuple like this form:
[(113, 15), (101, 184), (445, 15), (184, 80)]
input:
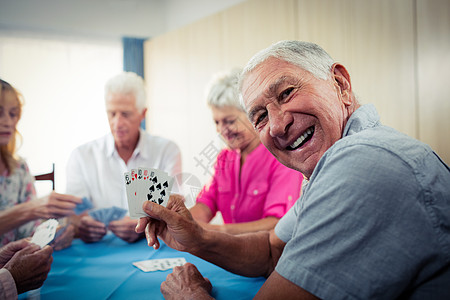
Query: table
[(104, 270)]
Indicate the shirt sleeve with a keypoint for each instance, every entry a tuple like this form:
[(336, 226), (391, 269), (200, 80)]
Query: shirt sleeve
[(8, 288), (285, 186), (361, 231)]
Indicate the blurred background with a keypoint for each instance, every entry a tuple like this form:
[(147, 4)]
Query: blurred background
[(60, 53)]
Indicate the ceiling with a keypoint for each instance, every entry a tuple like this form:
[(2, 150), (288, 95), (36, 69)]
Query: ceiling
[(104, 18)]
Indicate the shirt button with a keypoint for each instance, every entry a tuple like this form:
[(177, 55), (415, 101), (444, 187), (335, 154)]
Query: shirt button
[(232, 206), (290, 198), (255, 192)]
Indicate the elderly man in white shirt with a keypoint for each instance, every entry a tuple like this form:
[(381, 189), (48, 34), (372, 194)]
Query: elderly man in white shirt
[(95, 170)]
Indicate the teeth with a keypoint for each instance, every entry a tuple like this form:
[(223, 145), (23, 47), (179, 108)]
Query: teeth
[(301, 138)]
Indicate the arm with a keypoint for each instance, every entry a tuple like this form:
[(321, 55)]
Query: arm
[(52, 206), (201, 213), (253, 254), (278, 287), (265, 224)]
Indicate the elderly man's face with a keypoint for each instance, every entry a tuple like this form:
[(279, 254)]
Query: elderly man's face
[(297, 116), (124, 119)]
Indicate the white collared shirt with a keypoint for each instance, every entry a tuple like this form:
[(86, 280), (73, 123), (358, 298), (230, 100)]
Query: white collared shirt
[(96, 171)]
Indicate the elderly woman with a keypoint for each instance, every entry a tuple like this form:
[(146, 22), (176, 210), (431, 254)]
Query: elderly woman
[(20, 210), (250, 188)]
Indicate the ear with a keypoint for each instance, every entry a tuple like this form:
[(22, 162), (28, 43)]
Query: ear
[(342, 82), (144, 111)]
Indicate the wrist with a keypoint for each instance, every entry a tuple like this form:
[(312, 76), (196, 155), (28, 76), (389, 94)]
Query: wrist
[(32, 210)]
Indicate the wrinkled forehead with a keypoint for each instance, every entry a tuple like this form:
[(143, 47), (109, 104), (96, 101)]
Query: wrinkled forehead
[(262, 80)]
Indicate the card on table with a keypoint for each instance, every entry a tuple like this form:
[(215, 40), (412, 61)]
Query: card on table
[(144, 184), (159, 264), (45, 233)]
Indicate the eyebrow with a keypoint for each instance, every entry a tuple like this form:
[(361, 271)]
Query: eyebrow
[(271, 92)]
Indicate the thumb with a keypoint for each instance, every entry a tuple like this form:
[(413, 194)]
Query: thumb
[(160, 212)]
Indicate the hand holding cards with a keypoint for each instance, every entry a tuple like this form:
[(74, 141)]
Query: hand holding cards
[(146, 185)]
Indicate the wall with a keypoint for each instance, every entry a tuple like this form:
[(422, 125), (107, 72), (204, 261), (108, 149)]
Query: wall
[(392, 49), (61, 80)]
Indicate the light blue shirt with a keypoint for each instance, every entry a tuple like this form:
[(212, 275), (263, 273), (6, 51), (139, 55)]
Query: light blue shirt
[(374, 220)]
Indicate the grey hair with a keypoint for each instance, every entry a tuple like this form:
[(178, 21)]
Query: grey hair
[(223, 90), (306, 55), (128, 83)]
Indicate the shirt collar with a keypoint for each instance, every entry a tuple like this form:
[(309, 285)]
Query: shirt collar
[(139, 150), (364, 117)]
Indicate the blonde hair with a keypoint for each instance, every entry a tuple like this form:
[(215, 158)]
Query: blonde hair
[(8, 151)]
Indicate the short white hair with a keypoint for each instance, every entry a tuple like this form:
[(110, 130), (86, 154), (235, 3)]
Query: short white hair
[(306, 55), (128, 83), (223, 90)]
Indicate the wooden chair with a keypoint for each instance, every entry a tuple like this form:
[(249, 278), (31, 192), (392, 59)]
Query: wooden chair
[(48, 176)]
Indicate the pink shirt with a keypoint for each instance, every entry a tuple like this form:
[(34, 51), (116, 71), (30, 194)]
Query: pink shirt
[(265, 187)]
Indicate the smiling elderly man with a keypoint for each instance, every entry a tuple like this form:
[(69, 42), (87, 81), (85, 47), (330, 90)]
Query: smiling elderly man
[(373, 220)]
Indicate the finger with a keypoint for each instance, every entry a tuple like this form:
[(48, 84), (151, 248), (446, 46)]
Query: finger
[(46, 251), (17, 245), (150, 234), (67, 198), (64, 205), (141, 224), (59, 212), (31, 248), (160, 212)]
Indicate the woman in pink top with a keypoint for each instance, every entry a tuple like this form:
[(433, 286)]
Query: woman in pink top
[(250, 188)]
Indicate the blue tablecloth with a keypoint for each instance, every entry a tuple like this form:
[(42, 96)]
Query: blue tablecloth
[(104, 270)]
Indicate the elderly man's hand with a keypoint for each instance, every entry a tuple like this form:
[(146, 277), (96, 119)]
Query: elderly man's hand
[(174, 224), (90, 230), (8, 251), (186, 282), (29, 267), (125, 229)]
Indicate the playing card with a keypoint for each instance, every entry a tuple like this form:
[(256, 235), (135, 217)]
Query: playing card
[(85, 205), (159, 191), (108, 214), (144, 184), (45, 233), (131, 193), (116, 213), (159, 264), (98, 214)]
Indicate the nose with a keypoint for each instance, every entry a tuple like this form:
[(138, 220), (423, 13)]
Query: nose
[(117, 120), (221, 128), (6, 119), (279, 120)]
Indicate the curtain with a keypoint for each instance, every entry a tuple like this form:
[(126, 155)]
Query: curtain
[(133, 58)]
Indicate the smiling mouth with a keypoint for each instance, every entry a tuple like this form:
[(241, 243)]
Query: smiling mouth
[(306, 136)]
